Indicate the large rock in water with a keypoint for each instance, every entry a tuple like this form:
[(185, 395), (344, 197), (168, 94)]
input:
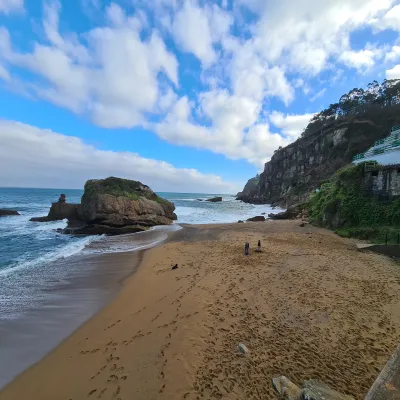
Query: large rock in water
[(4, 212), (115, 206), (215, 199)]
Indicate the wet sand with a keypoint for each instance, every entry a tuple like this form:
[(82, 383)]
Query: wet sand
[(309, 306)]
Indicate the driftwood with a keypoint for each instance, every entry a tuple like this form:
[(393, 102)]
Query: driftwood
[(387, 385), (310, 390)]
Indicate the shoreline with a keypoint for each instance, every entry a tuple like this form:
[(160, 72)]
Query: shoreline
[(163, 331), (67, 306)]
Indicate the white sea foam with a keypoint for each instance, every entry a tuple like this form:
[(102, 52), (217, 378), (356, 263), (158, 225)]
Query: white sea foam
[(67, 250)]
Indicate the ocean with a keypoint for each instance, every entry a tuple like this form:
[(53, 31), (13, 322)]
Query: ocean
[(46, 278)]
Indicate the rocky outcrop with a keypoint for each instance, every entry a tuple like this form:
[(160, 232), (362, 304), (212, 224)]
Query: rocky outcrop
[(215, 199), (4, 212), (297, 170), (290, 213), (116, 206), (59, 211), (250, 189), (259, 218)]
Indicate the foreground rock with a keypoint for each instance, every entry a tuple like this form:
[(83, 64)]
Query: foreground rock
[(215, 199), (5, 212), (115, 206), (259, 218), (311, 390), (290, 213)]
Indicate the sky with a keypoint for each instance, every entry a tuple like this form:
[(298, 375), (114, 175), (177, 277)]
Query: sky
[(183, 95)]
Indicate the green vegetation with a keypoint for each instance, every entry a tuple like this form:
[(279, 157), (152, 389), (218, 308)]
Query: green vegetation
[(119, 187), (357, 102), (341, 204)]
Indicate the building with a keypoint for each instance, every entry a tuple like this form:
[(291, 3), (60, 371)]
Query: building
[(385, 151)]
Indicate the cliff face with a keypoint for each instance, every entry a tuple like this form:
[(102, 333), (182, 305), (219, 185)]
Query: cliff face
[(250, 189), (298, 169)]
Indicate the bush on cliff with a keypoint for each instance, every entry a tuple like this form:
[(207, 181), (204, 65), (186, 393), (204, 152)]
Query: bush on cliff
[(341, 204)]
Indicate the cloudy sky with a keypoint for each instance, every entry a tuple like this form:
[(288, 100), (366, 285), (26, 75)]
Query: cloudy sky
[(188, 95)]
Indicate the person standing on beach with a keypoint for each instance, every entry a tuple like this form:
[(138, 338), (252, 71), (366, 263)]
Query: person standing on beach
[(246, 249), (259, 246)]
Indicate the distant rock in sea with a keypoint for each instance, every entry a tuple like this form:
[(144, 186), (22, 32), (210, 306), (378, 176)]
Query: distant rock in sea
[(113, 206), (215, 199), (4, 212)]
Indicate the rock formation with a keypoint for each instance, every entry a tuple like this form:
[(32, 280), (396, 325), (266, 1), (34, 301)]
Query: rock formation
[(215, 199), (4, 212), (59, 211), (116, 206), (329, 142), (250, 189), (113, 206), (259, 218)]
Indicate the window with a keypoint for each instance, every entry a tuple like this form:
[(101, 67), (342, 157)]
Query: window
[(374, 173)]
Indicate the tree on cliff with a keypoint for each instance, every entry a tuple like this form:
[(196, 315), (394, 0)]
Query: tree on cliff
[(356, 103)]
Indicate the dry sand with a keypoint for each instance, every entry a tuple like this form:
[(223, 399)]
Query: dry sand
[(308, 306)]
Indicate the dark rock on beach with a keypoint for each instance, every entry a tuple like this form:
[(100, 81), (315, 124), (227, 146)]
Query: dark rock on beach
[(240, 222), (290, 213), (259, 218), (4, 212), (215, 199)]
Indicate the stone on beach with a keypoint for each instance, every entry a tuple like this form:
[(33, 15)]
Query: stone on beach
[(242, 349), (259, 218)]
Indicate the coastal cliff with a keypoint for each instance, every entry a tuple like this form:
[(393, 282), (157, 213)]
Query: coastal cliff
[(330, 141)]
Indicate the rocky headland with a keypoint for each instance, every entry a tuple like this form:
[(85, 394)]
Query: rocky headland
[(330, 141), (113, 206)]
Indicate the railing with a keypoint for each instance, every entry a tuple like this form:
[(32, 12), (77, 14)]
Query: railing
[(395, 128), (382, 145), (380, 150)]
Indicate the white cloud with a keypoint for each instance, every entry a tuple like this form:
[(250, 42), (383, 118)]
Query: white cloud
[(116, 79), (196, 29), (231, 117), (9, 6), (304, 34), (318, 95), (291, 125), (360, 59), (30, 156), (393, 73), (192, 32), (391, 19), (393, 54)]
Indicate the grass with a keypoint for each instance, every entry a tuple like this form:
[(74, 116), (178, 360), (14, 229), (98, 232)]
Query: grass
[(118, 187)]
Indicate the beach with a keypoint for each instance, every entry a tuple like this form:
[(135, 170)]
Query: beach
[(308, 306)]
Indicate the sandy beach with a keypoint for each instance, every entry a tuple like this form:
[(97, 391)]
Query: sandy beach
[(309, 306)]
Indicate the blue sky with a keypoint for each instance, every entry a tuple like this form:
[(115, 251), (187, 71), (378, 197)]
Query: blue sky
[(190, 95)]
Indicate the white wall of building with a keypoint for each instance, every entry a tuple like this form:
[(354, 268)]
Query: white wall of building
[(391, 157)]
